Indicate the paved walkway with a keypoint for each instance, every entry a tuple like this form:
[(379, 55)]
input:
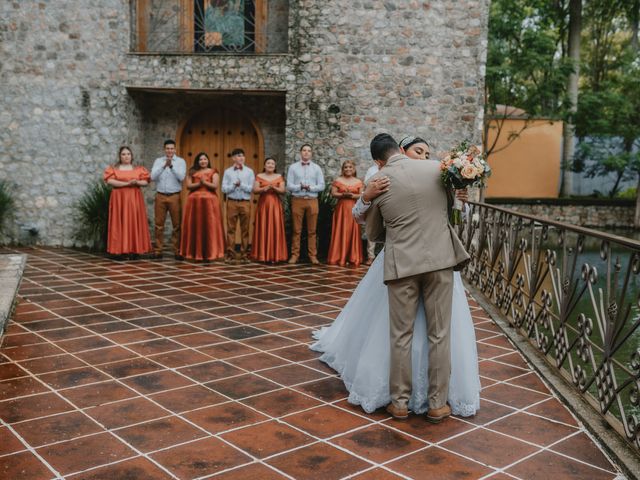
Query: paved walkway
[(154, 370)]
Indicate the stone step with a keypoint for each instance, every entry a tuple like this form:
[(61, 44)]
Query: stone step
[(11, 270)]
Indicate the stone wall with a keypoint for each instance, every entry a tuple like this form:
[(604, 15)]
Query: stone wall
[(353, 68), (403, 66), (65, 109), (592, 215)]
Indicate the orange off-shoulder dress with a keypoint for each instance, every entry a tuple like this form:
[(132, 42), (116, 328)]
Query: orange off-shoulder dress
[(269, 241), (128, 226), (346, 242), (202, 236)]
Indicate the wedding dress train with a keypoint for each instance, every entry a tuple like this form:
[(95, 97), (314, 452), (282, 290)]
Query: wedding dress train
[(356, 345)]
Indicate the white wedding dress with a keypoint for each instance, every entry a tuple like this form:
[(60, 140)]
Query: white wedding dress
[(356, 345)]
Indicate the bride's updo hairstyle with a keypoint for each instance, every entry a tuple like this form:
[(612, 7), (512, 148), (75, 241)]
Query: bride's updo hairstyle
[(408, 142)]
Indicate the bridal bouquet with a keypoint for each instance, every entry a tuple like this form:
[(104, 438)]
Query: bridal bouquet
[(465, 165)]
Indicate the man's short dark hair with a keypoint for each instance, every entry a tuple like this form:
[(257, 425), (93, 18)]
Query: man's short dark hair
[(306, 145), (237, 151), (383, 146), (170, 142)]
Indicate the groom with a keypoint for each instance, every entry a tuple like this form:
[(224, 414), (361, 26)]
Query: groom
[(421, 251)]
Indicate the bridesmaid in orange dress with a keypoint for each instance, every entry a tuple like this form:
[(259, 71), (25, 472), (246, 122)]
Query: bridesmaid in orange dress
[(346, 242), (128, 232), (269, 241), (202, 236)]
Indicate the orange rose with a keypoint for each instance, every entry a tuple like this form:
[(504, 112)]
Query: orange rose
[(469, 172)]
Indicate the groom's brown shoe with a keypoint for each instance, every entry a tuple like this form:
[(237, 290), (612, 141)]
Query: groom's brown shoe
[(436, 415), (397, 413)]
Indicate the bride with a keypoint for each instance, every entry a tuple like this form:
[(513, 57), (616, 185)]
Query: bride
[(356, 345)]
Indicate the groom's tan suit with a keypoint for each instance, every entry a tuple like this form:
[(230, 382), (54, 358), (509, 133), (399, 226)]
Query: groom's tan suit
[(421, 250)]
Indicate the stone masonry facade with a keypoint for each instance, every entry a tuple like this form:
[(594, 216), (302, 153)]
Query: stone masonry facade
[(590, 216), (74, 88)]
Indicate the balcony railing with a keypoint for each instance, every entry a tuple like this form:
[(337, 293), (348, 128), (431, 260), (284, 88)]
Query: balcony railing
[(573, 293), (210, 26)]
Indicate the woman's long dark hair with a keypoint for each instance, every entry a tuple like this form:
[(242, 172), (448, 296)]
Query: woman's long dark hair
[(196, 163), (275, 170)]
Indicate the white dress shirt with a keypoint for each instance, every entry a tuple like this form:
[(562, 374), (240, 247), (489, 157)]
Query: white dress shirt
[(373, 169), (359, 210), (231, 176), (168, 180), (307, 174)]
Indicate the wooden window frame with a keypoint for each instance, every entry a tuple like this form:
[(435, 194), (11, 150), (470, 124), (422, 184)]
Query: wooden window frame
[(187, 28)]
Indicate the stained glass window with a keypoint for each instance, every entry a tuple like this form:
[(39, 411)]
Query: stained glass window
[(224, 25)]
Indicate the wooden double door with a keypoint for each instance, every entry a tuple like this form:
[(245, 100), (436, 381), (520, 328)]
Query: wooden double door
[(216, 132)]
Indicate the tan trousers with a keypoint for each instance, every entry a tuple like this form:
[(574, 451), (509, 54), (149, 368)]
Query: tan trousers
[(404, 296), (164, 203), (371, 249), (238, 210), (301, 207)]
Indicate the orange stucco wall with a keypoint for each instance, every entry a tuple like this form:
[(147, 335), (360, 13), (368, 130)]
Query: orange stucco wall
[(530, 166)]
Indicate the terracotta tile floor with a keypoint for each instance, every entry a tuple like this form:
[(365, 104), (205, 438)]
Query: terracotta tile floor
[(152, 370)]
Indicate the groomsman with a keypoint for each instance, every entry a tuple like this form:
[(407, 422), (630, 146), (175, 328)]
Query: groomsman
[(305, 181), (168, 172), (237, 184)]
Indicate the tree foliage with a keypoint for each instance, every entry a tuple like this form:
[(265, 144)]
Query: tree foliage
[(608, 119), (524, 67), (527, 67)]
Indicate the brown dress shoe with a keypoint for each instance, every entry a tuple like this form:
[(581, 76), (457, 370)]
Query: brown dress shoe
[(293, 259), (436, 415), (397, 413), (314, 260)]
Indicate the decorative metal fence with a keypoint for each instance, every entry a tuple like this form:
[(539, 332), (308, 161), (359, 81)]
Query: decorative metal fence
[(210, 26), (574, 294)]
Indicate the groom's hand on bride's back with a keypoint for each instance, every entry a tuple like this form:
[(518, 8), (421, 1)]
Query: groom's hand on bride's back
[(376, 187)]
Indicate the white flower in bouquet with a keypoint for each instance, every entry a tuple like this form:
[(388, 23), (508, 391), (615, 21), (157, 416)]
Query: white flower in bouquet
[(463, 166)]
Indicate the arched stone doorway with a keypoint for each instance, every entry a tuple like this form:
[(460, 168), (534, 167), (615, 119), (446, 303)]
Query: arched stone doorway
[(216, 131)]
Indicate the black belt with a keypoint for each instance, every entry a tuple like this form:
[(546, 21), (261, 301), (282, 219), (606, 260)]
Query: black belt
[(237, 200), (168, 194)]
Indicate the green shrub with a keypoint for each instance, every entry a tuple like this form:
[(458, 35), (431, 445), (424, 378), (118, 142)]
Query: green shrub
[(326, 204), (628, 194), (6, 204), (92, 216)]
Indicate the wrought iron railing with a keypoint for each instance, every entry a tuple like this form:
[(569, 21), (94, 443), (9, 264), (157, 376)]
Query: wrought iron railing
[(210, 26), (574, 294)]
